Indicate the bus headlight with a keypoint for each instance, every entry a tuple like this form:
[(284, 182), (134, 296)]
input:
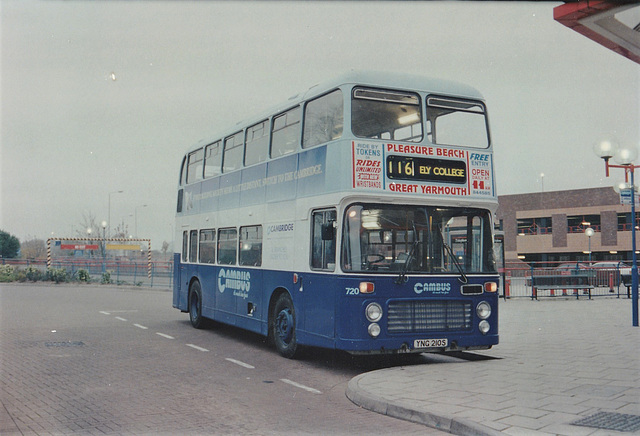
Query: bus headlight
[(484, 327), (374, 330), (373, 312), (483, 310)]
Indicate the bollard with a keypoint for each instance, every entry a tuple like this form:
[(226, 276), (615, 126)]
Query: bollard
[(507, 285), (610, 282)]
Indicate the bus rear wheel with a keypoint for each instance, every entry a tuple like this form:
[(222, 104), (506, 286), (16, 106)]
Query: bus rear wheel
[(283, 327), (195, 305)]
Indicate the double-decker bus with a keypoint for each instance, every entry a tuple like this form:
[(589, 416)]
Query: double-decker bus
[(357, 216)]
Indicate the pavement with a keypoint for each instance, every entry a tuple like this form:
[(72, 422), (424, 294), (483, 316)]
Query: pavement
[(563, 367)]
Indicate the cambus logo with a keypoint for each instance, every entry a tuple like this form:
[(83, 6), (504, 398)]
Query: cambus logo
[(433, 288), (238, 281)]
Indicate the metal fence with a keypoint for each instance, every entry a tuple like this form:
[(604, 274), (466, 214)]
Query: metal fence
[(576, 279), (157, 274), (519, 280)]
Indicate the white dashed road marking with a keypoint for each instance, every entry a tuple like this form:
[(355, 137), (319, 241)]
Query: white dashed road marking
[(237, 362), (298, 385)]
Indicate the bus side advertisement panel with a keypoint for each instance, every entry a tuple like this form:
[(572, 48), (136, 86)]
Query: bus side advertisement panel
[(311, 172)]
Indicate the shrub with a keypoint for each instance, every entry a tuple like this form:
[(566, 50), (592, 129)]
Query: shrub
[(19, 275), (83, 276), (6, 273), (106, 278), (57, 275), (33, 274)]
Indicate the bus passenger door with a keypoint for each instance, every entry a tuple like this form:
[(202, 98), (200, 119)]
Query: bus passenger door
[(320, 285), (180, 289)]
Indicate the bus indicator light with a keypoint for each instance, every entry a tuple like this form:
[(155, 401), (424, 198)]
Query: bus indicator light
[(366, 288), (491, 287)]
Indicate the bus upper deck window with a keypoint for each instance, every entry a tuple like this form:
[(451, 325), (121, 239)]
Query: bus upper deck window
[(457, 122), (381, 114), (194, 166), (233, 152), (212, 159), (285, 132), (323, 119)]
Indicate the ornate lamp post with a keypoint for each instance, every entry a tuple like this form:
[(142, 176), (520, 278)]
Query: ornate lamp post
[(624, 158)]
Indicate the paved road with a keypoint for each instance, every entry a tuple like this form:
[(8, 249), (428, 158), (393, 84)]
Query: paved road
[(116, 360)]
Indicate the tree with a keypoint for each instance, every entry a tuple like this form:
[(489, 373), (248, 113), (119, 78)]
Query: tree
[(33, 249), (89, 222), (9, 245), (121, 231)]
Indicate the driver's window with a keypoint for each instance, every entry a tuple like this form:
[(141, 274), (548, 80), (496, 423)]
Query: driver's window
[(323, 240)]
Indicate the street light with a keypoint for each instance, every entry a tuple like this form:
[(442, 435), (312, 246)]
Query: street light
[(88, 240), (109, 217), (104, 246), (624, 157), (589, 232)]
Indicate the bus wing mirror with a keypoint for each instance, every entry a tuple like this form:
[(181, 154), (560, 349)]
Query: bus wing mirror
[(328, 231)]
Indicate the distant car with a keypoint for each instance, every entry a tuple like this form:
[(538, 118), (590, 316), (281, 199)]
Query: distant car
[(613, 264), (610, 272), (567, 268)]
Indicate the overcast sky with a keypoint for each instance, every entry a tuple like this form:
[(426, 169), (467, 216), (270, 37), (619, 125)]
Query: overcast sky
[(71, 134)]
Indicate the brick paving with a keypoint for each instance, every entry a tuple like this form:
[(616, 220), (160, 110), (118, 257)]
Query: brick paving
[(76, 360), (558, 361)]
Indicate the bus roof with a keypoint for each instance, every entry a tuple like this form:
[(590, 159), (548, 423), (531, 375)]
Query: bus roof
[(394, 80), (379, 79)]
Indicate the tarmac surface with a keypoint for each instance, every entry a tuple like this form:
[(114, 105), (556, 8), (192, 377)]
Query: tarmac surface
[(563, 367)]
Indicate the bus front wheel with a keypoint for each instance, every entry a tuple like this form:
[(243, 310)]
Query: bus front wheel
[(283, 327), (195, 305)]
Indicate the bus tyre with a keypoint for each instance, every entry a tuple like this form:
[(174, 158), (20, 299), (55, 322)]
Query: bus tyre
[(284, 327), (195, 305)]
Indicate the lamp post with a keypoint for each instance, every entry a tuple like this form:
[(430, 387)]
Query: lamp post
[(624, 158), (89, 240), (589, 232), (104, 246), (109, 217)]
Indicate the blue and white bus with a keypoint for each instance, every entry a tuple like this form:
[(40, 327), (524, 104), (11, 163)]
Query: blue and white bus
[(356, 216)]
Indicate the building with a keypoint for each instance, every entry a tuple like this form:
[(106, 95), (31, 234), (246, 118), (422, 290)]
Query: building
[(550, 226)]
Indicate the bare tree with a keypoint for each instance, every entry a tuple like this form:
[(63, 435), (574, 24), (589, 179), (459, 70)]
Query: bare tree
[(33, 249), (89, 223)]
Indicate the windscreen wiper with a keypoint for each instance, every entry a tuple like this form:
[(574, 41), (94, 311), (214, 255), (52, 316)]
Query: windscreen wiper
[(402, 277), (463, 277)]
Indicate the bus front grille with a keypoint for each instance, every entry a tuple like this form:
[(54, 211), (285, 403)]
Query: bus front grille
[(428, 316)]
